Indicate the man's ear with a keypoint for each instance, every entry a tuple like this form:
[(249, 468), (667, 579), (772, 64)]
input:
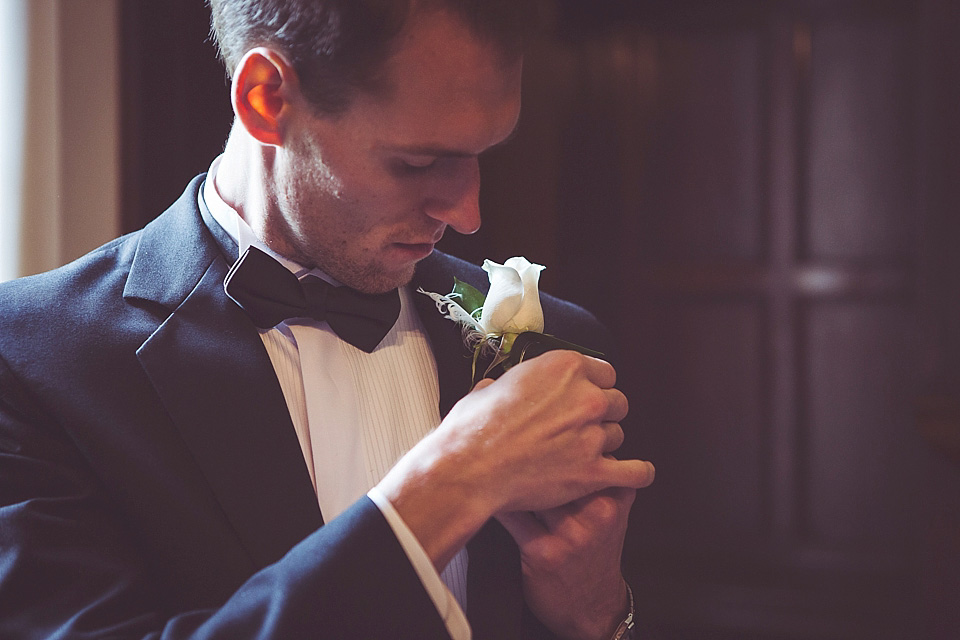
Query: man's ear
[(264, 88)]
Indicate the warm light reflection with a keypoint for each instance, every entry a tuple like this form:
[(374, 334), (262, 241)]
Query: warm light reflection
[(802, 45)]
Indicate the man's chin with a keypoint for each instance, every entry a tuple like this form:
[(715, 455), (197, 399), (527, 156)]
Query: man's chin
[(400, 272), (383, 280)]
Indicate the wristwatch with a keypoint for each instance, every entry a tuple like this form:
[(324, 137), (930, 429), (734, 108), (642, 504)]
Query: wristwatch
[(625, 630)]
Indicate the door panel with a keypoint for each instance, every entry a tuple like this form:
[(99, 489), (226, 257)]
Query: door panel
[(700, 196), (860, 376), (703, 374), (861, 189)]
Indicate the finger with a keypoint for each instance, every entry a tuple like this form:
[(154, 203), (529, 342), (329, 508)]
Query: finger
[(614, 436), (617, 405), (635, 474), (555, 518), (522, 526), (600, 372), (619, 498), (604, 508)]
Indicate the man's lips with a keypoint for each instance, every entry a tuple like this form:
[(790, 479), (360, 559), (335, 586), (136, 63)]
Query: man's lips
[(416, 250), (421, 249)]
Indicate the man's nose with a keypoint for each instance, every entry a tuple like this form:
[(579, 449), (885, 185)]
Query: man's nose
[(455, 198)]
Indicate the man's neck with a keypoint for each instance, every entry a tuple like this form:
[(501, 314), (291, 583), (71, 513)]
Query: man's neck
[(242, 177)]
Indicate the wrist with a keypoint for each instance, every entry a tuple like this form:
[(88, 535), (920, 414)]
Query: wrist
[(589, 623), (435, 504)]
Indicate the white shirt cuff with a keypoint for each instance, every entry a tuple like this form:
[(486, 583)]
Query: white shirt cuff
[(447, 606)]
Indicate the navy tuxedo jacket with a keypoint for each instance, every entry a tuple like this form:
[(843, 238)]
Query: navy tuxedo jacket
[(151, 482)]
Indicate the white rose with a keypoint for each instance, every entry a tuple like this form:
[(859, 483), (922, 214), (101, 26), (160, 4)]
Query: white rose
[(512, 305)]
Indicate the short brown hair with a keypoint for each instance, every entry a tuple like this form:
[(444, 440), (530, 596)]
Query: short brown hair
[(338, 47)]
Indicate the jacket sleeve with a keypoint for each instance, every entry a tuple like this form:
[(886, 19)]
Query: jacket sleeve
[(71, 568)]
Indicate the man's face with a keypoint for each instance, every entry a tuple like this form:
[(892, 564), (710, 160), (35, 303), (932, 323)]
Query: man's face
[(366, 195)]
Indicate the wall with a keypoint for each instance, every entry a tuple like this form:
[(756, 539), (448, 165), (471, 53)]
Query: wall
[(65, 196)]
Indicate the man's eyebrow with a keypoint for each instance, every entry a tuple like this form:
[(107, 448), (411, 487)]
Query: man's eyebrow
[(445, 152)]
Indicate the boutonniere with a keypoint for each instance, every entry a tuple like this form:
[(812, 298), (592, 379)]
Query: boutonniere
[(508, 321)]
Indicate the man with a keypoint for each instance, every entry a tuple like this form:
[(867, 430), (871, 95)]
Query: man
[(168, 453)]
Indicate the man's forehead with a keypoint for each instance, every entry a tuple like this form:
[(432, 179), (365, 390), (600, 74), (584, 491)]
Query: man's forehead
[(450, 93), (441, 150)]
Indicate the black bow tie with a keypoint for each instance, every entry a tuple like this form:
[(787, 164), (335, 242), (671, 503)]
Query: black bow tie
[(269, 293)]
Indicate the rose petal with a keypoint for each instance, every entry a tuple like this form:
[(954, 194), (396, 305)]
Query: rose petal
[(503, 299), (529, 317)]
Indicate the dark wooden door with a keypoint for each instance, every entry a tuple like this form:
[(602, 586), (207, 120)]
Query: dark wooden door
[(742, 190)]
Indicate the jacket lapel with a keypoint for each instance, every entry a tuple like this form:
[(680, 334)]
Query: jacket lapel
[(213, 375), (454, 361), (494, 592)]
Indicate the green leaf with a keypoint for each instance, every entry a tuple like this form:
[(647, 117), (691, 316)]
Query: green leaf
[(470, 298)]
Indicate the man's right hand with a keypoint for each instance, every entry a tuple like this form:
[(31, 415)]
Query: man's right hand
[(535, 439)]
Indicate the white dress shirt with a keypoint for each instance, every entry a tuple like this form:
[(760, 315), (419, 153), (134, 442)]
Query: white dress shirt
[(362, 413)]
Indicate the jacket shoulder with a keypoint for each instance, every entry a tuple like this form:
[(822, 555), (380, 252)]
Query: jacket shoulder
[(86, 306), (68, 290)]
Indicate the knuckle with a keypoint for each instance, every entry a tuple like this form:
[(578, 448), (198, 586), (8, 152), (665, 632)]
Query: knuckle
[(595, 403), (569, 360), (580, 538), (606, 511), (553, 556), (594, 439)]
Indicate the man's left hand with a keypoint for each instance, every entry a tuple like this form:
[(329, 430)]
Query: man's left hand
[(571, 563)]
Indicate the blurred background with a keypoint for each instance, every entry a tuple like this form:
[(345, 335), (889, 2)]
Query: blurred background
[(761, 199)]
